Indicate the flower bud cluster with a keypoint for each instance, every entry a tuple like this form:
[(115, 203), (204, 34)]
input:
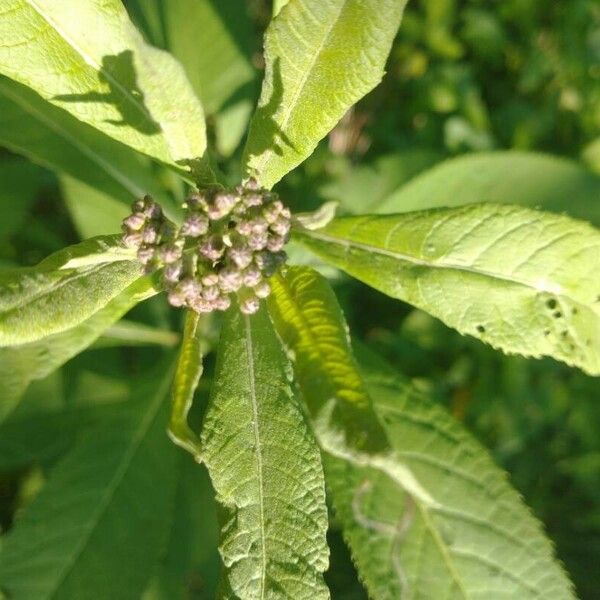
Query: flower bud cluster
[(231, 241)]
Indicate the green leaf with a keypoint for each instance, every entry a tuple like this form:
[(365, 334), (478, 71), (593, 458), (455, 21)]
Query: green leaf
[(265, 468), (322, 56), (20, 182), (53, 138), (187, 375), (100, 523), (521, 280), (93, 212), (310, 323), (480, 541), (88, 58), (63, 290), (525, 178), (214, 42), (20, 365)]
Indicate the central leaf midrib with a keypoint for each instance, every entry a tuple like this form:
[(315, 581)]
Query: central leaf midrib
[(258, 452)]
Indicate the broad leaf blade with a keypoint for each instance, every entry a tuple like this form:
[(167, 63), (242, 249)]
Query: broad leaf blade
[(63, 290), (321, 57), (523, 281), (55, 139), (265, 468), (88, 58), (524, 178), (99, 523), (479, 543), (20, 365), (310, 323)]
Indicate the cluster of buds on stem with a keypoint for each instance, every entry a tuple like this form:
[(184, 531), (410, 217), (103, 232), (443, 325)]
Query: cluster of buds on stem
[(230, 242)]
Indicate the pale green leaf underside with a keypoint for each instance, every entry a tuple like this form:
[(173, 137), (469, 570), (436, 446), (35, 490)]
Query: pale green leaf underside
[(266, 470), (524, 281), (100, 521), (86, 57), (479, 543), (524, 178), (322, 56), (20, 365), (63, 290)]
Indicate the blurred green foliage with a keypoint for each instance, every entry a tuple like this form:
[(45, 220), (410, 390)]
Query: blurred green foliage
[(464, 76)]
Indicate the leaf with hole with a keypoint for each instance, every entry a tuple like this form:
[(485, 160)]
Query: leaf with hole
[(523, 281)]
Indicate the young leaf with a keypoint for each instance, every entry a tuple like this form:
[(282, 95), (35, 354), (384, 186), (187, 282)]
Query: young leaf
[(88, 58), (309, 320), (54, 139), (187, 375), (524, 178), (100, 522), (524, 281), (20, 365), (480, 542), (321, 57), (63, 290), (265, 468)]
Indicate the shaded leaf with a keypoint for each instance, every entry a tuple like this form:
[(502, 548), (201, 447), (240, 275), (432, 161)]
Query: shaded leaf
[(20, 365), (20, 181), (265, 468), (321, 57), (63, 290), (524, 281), (525, 178), (99, 523), (480, 542), (88, 58)]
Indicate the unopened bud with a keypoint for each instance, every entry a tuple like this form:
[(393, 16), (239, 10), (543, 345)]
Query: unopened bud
[(172, 272), (169, 253), (222, 303), (176, 298), (281, 226), (210, 279), (230, 280), (134, 222), (145, 254), (133, 240), (275, 243), (262, 290), (211, 293), (249, 305), (251, 276), (150, 234), (195, 225)]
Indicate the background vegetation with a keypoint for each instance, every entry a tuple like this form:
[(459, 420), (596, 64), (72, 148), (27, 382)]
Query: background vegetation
[(465, 76)]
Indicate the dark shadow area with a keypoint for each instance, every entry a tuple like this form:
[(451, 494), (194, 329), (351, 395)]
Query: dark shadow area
[(118, 72)]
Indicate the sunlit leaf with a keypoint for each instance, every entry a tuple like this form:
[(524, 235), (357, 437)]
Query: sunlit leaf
[(321, 57), (63, 290), (479, 542), (265, 468), (88, 58), (524, 281)]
